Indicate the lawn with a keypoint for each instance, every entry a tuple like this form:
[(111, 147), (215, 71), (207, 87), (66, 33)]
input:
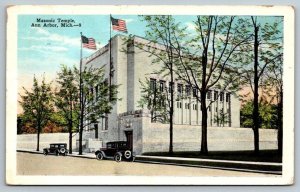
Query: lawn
[(263, 156)]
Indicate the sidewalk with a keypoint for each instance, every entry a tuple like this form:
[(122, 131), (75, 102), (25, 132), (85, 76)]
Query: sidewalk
[(245, 166), (74, 154)]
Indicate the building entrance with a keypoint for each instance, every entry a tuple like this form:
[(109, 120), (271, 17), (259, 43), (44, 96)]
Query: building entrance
[(129, 138)]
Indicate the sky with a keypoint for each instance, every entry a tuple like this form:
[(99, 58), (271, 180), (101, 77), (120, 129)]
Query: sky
[(42, 50)]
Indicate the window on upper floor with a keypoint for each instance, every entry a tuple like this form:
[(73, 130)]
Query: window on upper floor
[(221, 96), (208, 94), (153, 84), (215, 95), (195, 92), (180, 89), (162, 85), (188, 90), (227, 97), (170, 87)]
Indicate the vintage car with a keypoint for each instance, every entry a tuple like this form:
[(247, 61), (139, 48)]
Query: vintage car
[(57, 149), (117, 150)]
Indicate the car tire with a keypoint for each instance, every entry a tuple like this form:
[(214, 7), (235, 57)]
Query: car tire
[(45, 152), (62, 150), (99, 156), (118, 157), (127, 154)]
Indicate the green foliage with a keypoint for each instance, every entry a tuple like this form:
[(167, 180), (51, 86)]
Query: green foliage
[(99, 101), (267, 115), (67, 98), (37, 104), (222, 118), (155, 100)]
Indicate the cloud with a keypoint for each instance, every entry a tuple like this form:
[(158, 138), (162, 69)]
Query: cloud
[(42, 31), (44, 48), (46, 36), (129, 20), (190, 26)]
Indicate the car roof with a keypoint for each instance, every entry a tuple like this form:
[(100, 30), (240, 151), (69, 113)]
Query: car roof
[(57, 143), (116, 142)]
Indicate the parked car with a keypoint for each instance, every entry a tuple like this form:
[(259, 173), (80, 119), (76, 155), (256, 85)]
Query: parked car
[(117, 150), (57, 149)]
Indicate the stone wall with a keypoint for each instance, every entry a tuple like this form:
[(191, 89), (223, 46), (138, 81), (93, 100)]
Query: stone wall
[(28, 141), (188, 138)]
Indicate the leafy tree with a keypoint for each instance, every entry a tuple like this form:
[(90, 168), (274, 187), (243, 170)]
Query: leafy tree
[(37, 105), (156, 98), (267, 115), (222, 119), (273, 85), (96, 97), (67, 100), (162, 32), (206, 63), (265, 49)]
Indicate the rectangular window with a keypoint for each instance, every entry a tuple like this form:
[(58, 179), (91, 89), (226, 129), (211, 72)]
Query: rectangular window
[(188, 90), (208, 94), (195, 92), (170, 87), (180, 89), (180, 106), (227, 97), (106, 123), (97, 90), (215, 95), (162, 85), (188, 106), (209, 108), (152, 84), (221, 96)]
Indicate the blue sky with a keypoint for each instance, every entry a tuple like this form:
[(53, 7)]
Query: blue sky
[(41, 50)]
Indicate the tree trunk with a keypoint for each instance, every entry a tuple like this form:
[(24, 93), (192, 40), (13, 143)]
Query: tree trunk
[(70, 142), (255, 102), (80, 135), (204, 149), (38, 138), (171, 112), (279, 123)]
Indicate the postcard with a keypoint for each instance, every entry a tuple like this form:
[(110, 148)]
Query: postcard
[(150, 95)]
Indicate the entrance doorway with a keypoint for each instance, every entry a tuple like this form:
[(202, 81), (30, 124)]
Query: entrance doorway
[(129, 138)]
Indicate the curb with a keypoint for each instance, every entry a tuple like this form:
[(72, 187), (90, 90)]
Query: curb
[(70, 155), (257, 167), (245, 166)]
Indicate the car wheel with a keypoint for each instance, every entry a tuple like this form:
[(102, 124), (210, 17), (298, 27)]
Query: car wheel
[(62, 150), (99, 156), (127, 154), (118, 157), (45, 152)]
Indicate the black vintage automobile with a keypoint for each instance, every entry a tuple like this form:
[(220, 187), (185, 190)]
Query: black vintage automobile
[(117, 150), (57, 149)]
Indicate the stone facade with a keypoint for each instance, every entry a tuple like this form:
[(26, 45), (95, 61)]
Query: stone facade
[(130, 65)]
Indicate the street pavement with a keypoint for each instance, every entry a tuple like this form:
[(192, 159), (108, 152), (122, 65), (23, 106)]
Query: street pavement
[(38, 164), (245, 166)]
